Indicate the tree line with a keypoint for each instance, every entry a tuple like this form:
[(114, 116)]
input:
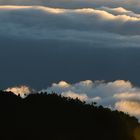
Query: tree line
[(43, 116)]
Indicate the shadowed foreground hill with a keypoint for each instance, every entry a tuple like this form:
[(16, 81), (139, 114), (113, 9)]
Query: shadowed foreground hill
[(52, 117)]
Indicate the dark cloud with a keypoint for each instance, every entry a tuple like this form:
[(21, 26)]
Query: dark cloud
[(39, 63), (40, 45), (82, 25)]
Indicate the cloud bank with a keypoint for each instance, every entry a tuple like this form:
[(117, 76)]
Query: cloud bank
[(128, 4), (98, 27), (119, 94)]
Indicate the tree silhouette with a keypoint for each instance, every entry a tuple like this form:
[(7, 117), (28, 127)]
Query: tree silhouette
[(54, 117)]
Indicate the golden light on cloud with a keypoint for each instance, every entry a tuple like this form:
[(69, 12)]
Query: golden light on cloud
[(42, 8), (21, 90), (61, 84), (103, 11), (131, 107), (120, 9), (121, 83), (13, 7)]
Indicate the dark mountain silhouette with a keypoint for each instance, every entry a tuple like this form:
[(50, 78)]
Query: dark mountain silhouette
[(52, 117)]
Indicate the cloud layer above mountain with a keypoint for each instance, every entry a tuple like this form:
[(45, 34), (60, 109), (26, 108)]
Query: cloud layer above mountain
[(120, 94), (117, 95)]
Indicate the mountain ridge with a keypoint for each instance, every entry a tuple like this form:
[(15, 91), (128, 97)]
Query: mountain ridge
[(54, 117)]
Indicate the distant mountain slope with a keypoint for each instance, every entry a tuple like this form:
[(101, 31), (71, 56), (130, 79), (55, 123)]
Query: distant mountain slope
[(52, 117)]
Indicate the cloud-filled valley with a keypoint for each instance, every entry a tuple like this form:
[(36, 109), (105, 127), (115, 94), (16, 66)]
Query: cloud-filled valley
[(118, 95)]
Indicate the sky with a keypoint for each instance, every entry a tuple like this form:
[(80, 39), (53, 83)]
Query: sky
[(44, 43)]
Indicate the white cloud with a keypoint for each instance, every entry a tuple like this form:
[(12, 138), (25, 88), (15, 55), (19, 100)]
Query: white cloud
[(61, 84), (130, 107), (119, 94), (120, 11), (128, 95), (23, 91), (73, 95)]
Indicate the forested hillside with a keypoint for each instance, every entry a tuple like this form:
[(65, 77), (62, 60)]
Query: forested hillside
[(52, 117)]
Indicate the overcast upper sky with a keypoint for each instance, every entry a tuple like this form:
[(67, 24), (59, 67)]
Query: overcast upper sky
[(42, 42)]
